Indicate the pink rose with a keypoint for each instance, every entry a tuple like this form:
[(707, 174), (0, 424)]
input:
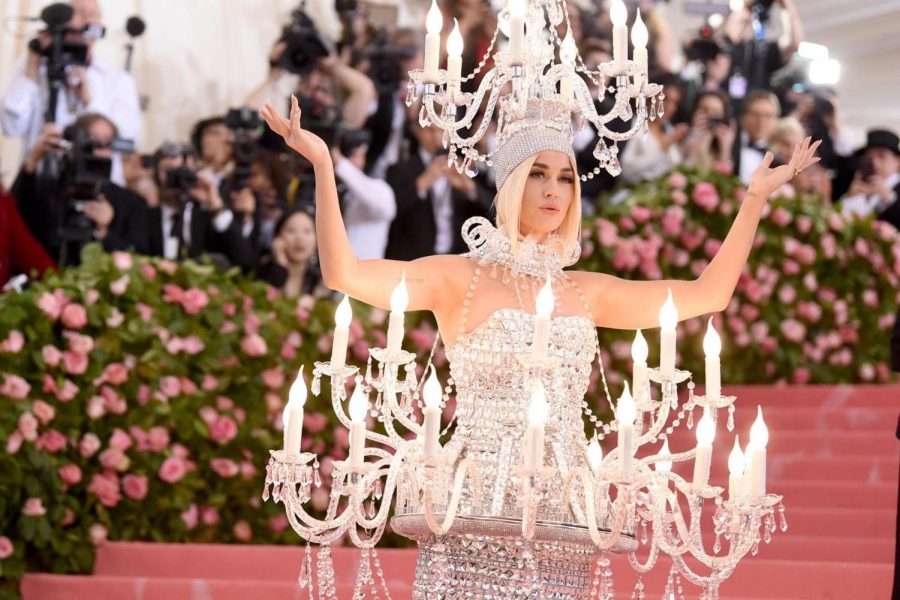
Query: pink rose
[(677, 181), (115, 373), (804, 224), (51, 441), (120, 440), (672, 221), (34, 507), (115, 460), (14, 387), (91, 297), (273, 378), (170, 386), (75, 363), (135, 486), (242, 531), (13, 343), (787, 294), (208, 414), (158, 439), (223, 429), (224, 467), (89, 445), (172, 293), (28, 426), (115, 319), (278, 523), (77, 342), (194, 300), (70, 474), (706, 196), (106, 487), (67, 391), (190, 517), (800, 376), (296, 340), (251, 323), (74, 316), (172, 469), (51, 304), (51, 355), (641, 214), (97, 533), (781, 217), (174, 345), (193, 345), (253, 345), (96, 407), (227, 327), (793, 330), (14, 442), (6, 547), (113, 402), (148, 271), (209, 516), (188, 387), (122, 260), (711, 247), (145, 312), (209, 383), (120, 285)]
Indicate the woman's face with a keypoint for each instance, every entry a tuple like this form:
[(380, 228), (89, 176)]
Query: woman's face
[(712, 106), (549, 192), (299, 235)]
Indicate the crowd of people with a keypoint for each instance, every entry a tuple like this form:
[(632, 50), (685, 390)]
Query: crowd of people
[(230, 191)]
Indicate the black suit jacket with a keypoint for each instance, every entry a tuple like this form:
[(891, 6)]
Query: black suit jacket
[(205, 240), (413, 231), (891, 214)]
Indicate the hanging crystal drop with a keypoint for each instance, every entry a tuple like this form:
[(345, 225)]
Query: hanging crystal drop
[(717, 547), (754, 550), (304, 578), (316, 384), (423, 117), (369, 370), (410, 93), (638, 593), (370, 511), (265, 494), (601, 152), (730, 423), (276, 492), (471, 168), (378, 401), (644, 536), (690, 419), (661, 106), (782, 518), (317, 479)]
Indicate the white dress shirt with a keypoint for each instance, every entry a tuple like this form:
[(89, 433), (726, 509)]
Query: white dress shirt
[(442, 201), (113, 94), (171, 244), (369, 207), (869, 205), (644, 158)]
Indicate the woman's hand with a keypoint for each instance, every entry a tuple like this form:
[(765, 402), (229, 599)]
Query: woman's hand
[(765, 181), (308, 145)]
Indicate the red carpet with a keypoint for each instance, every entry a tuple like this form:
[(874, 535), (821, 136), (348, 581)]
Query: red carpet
[(832, 453)]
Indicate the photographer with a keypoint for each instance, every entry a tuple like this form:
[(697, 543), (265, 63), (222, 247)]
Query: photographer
[(87, 86), (191, 218), (367, 203), (711, 139), (214, 143), (759, 117), (82, 204), (876, 185)]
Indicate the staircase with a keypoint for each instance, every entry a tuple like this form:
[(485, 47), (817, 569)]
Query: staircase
[(832, 453)]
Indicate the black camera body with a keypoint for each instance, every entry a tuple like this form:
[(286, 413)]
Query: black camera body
[(246, 124), (182, 179), (303, 45), (704, 47), (384, 63)]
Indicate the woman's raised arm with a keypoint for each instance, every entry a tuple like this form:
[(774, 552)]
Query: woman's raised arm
[(621, 304), (430, 280)]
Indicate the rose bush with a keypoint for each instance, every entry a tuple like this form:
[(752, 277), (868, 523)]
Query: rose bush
[(140, 397)]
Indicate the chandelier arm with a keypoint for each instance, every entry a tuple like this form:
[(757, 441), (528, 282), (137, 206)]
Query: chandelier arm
[(471, 109), (587, 483), (391, 410), (715, 578), (368, 542), (342, 416), (661, 417), (308, 527), (466, 467), (647, 566), (360, 491)]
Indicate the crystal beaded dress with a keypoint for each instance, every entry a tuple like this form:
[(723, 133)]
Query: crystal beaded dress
[(484, 555)]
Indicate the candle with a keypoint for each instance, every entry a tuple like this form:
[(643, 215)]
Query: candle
[(454, 58), (735, 470), (359, 404), (712, 347), (618, 14), (567, 53), (668, 319), (342, 317), (534, 434), (706, 431), (516, 29), (432, 424), (626, 413), (759, 438), (434, 22), (595, 455), (292, 417), (640, 37), (639, 352), (399, 302), (544, 308)]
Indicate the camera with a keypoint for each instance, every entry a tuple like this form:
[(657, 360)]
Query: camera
[(245, 124), (321, 119), (181, 179), (303, 44), (704, 47), (384, 62)]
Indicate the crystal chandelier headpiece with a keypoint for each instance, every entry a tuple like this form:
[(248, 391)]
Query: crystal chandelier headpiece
[(547, 125)]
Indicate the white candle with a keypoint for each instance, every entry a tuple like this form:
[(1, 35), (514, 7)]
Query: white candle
[(544, 309), (706, 432), (618, 15), (595, 455), (454, 58), (567, 53), (712, 347), (432, 422), (759, 438), (639, 352), (399, 302), (626, 413), (434, 22), (358, 407), (639, 37), (534, 434), (668, 319), (342, 318), (516, 29), (735, 470), (292, 417)]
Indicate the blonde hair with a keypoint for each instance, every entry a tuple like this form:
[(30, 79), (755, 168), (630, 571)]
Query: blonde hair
[(508, 203)]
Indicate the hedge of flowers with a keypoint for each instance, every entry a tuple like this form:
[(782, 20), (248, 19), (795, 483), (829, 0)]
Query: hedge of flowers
[(140, 397)]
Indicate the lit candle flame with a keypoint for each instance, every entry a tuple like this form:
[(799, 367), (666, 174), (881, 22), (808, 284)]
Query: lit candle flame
[(400, 296), (517, 8), (344, 314), (668, 314), (434, 21), (639, 34), (639, 349), (455, 41), (432, 390), (618, 14), (664, 466), (538, 409), (712, 343), (626, 412), (706, 430), (736, 460), (296, 395), (359, 404), (759, 433), (567, 49), (595, 454)]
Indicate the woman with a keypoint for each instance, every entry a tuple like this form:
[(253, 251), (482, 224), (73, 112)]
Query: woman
[(709, 144), (292, 265), (487, 322)]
